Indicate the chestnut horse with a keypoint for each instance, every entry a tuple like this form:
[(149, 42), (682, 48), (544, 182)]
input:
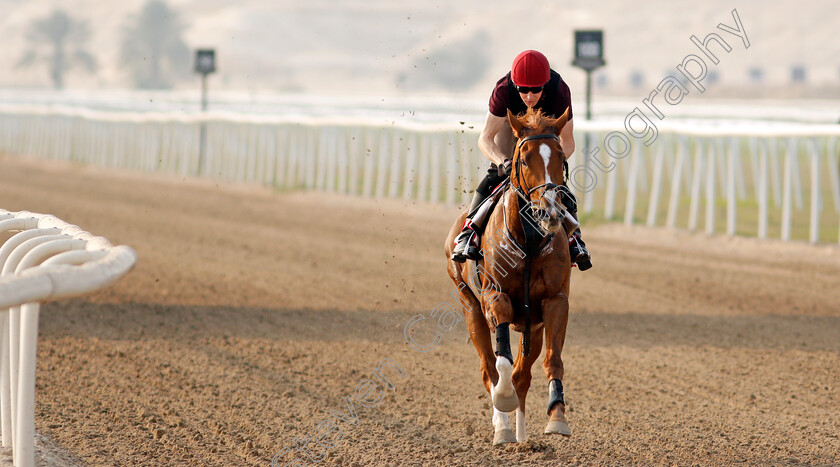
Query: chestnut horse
[(525, 245)]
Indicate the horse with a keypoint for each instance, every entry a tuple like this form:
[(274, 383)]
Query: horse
[(522, 279)]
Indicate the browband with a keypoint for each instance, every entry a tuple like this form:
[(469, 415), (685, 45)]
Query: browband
[(532, 137)]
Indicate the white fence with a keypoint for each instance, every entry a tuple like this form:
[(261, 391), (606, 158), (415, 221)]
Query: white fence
[(46, 259), (772, 180), (780, 175)]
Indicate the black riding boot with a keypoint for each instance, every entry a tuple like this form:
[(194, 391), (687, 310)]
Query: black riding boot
[(577, 249), (466, 243)]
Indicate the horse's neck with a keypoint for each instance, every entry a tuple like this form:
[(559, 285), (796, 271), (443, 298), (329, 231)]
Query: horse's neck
[(531, 239), (513, 219)]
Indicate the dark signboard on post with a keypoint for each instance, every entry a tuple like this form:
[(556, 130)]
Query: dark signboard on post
[(589, 49), (205, 61)]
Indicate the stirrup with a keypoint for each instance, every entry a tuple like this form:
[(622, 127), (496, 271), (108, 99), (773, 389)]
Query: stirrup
[(578, 253), (467, 246)]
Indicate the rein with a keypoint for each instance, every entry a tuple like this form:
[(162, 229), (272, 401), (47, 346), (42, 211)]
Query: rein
[(526, 195)]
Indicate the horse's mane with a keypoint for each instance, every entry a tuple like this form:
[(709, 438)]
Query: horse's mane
[(535, 119)]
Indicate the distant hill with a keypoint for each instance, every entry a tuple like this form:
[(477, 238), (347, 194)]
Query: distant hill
[(371, 47)]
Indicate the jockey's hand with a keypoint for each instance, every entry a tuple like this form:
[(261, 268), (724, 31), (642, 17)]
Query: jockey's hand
[(506, 168)]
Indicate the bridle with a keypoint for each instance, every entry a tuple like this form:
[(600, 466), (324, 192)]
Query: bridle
[(523, 190)]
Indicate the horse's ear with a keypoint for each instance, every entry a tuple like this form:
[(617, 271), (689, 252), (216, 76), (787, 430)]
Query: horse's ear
[(515, 125), (561, 122)]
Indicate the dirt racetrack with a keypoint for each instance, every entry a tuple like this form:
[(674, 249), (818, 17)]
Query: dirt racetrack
[(252, 313)]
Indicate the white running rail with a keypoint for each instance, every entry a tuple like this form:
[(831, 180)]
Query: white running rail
[(43, 258), (777, 177)]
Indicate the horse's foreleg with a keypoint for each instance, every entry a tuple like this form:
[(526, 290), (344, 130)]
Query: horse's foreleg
[(480, 336), (500, 313), (555, 318), (522, 377)]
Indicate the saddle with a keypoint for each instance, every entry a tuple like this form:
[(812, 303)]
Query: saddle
[(536, 238)]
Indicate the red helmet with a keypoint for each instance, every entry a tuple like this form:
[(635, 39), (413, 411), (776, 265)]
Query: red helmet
[(530, 68)]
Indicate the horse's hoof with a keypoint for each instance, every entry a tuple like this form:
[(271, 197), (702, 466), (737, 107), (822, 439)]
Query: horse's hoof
[(506, 403), (504, 436), (558, 427)]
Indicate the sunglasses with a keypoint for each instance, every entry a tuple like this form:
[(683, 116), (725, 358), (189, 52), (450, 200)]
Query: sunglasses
[(527, 89)]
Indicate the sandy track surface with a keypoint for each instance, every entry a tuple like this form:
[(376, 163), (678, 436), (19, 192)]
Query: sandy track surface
[(252, 314)]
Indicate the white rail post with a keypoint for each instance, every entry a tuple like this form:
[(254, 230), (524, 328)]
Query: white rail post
[(762, 180), (816, 201), (787, 188), (39, 237), (252, 150), (696, 180), (311, 150), (279, 135), (451, 168), (467, 168), (609, 196), (369, 154), (642, 172), (292, 157), (265, 170), (711, 196), (10, 256), (775, 169), (720, 154), (333, 162), (740, 179), (269, 148), (383, 159), (424, 160), (321, 161), (37, 249), (676, 182), (833, 171), (754, 146), (632, 181), (5, 384), (731, 198), (437, 166), (589, 198), (270, 154), (410, 172), (797, 177), (396, 163), (24, 453), (658, 166), (355, 150)]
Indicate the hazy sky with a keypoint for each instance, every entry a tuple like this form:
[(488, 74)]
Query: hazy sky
[(378, 46)]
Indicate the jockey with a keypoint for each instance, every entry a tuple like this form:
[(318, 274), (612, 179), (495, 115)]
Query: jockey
[(531, 83)]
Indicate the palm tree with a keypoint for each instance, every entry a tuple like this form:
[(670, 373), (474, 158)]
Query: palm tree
[(60, 41), (153, 48)]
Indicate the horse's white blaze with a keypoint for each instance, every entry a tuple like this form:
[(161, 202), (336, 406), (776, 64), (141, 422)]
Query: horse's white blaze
[(545, 152), (521, 433), (550, 195)]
